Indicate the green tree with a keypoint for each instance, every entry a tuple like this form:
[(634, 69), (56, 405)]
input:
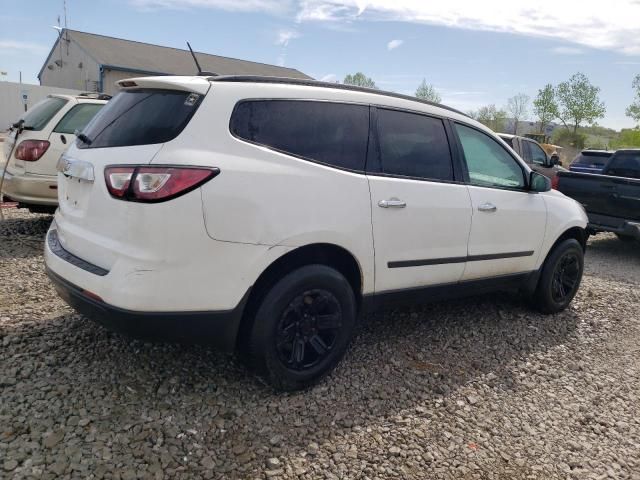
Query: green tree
[(518, 107), (426, 91), (359, 79), (579, 102), (545, 106), (633, 110), (628, 138), (490, 116)]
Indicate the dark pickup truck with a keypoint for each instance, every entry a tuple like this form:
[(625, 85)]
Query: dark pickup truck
[(611, 199)]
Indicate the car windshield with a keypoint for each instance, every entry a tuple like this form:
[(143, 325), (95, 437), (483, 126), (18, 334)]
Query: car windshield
[(40, 114)]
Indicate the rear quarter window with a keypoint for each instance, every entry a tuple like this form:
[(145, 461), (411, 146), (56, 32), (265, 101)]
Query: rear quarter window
[(141, 117), (78, 117), (335, 134)]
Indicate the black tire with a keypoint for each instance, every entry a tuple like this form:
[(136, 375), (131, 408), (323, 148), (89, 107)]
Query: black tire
[(560, 277), (302, 328), (625, 238)]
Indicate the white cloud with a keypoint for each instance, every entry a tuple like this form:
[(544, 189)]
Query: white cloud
[(331, 78), (567, 51), (18, 47), (582, 22), (285, 36), (393, 44), (274, 6)]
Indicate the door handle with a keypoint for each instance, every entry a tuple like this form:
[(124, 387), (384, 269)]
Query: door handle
[(487, 207), (392, 203)]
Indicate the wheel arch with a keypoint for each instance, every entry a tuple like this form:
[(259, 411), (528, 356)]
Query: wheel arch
[(328, 254)]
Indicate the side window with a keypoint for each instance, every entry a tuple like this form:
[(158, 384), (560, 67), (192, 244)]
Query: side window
[(332, 133), (625, 164), (536, 154), (78, 117), (489, 164), (413, 145)]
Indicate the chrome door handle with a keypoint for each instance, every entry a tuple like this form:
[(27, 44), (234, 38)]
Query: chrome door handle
[(487, 207), (392, 203)]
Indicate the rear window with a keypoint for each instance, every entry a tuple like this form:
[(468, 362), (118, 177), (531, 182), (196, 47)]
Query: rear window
[(78, 117), (592, 158), (335, 134), (141, 117), (40, 114)]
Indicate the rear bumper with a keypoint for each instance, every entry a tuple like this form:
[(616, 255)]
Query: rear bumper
[(31, 189), (606, 223), (218, 328)]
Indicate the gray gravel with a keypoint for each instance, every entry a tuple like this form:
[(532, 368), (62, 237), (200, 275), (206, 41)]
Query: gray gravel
[(480, 388)]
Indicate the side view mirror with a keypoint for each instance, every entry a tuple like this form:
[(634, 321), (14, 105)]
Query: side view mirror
[(554, 159), (539, 183)]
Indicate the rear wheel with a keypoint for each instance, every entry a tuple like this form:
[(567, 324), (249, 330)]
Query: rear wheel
[(560, 278), (301, 328), (625, 238)]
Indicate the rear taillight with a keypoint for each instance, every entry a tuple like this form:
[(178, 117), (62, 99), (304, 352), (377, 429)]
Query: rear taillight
[(31, 150), (555, 181), (155, 183)]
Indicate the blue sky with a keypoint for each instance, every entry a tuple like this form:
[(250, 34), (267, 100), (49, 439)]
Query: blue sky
[(474, 52)]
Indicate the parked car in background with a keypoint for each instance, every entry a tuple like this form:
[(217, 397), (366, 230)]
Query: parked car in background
[(243, 212), (535, 156), (43, 134), (611, 199), (590, 161)]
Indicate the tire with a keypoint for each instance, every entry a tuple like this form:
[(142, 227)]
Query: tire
[(563, 267), (301, 328), (625, 238)]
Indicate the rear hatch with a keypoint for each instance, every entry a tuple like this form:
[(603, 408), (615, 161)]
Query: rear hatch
[(130, 130), (35, 126)]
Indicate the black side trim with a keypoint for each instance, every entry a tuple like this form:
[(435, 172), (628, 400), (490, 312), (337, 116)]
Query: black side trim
[(58, 250), (215, 328), (469, 258), (420, 295)]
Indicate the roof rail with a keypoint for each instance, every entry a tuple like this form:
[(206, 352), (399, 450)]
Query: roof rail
[(96, 95), (317, 83)]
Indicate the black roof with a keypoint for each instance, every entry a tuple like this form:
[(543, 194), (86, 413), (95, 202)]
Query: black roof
[(318, 83)]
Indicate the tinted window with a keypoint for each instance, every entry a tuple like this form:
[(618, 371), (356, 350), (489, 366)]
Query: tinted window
[(141, 117), (536, 154), (331, 133), (598, 159), (78, 117), (413, 145), (625, 164), (489, 164), (40, 114)]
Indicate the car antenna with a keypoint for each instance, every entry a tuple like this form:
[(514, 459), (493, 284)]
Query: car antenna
[(201, 73)]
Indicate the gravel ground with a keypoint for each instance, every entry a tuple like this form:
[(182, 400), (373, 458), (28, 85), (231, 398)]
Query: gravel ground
[(480, 388)]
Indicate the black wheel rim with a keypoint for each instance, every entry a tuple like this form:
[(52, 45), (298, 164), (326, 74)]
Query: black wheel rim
[(308, 329), (565, 277)]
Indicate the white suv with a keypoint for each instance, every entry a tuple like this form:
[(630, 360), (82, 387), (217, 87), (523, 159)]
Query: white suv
[(40, 137), (262, 215)]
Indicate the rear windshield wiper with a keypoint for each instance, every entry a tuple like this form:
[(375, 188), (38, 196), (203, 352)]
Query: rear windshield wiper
[(83, 138)]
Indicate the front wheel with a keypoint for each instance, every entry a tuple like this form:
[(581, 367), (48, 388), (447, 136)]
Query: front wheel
[(560, 277), (301, 328), (625, 238)]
